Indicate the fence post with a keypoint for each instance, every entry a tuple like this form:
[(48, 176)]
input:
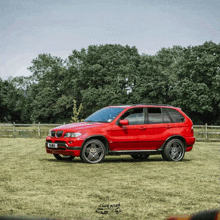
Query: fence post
[(14, 129), (206, 132), (39, 129)]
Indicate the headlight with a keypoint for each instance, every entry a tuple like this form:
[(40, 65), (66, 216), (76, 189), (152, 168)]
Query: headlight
[(75, 134), (49, 134)]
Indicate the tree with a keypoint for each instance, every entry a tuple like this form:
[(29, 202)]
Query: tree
[(110, 74), (197, 88), (107, 70), (3, 108), (11, 100), (151, 84), (47, 93)]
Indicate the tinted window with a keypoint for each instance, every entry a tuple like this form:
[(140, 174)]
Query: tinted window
[(135, 116), (155, 116), (166, 118), (175, 115)]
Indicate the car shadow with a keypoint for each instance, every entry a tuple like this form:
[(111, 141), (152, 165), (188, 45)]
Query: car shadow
[(60, 161), (116, 160), (121, 160)]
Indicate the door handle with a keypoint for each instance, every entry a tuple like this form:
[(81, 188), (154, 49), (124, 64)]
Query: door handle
[(168, 126), (142, 128)]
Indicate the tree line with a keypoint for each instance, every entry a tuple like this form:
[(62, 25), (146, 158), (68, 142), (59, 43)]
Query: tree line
[(102, 75)]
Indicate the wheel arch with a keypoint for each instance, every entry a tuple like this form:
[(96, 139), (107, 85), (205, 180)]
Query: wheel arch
[(174, 137), (101, 138)]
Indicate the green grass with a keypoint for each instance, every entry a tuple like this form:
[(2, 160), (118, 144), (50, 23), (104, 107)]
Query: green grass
[(33, 183)]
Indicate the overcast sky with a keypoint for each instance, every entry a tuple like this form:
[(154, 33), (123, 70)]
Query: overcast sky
[(32, 27)]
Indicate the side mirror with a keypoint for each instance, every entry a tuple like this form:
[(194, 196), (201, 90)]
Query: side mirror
[(124, 122)]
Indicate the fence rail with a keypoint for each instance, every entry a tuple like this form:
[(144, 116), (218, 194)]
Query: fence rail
[(201, 132), (207, 132), (26, 130)]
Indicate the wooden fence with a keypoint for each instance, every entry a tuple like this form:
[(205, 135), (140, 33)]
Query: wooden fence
[(26, 130), (207, 132), (201, 132)]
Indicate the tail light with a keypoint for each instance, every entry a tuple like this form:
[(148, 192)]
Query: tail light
[(192, 130)]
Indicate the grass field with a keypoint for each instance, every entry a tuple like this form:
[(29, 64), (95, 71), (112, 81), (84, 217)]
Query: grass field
[(33, 183)]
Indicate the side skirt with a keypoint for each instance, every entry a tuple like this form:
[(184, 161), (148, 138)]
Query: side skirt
[(137, 152)]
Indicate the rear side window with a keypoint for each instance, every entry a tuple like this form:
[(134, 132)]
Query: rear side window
[(155, 116), (175, 115), (166, 117)]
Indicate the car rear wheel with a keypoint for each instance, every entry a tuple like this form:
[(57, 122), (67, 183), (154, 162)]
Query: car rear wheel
[(93, 151), (140, 156), (174, 150), (63, 157)]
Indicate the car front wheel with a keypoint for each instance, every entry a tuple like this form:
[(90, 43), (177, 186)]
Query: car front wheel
[(63, 157), (93, 151), (174, 150)]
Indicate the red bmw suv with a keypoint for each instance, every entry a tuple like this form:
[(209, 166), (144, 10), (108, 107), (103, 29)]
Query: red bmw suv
[(138, 130)]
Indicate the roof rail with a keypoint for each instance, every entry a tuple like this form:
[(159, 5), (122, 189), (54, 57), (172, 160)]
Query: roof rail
[(152, 104)]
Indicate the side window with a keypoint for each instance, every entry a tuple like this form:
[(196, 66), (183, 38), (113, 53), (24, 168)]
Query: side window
[(155, 116), (135, 116), (166, 118), (175, 115)]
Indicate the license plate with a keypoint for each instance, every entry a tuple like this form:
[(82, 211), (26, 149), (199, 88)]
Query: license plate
[(52, 145)]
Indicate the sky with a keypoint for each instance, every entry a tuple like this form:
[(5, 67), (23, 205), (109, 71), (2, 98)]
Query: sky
[(32, 27)]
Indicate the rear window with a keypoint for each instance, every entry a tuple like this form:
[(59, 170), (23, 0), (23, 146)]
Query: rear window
[(175, 115)]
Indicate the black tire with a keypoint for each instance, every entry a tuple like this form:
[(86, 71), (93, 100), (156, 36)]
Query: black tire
[(140, 156), (63, 157), (174, 150), (164, 156), (93, 151)]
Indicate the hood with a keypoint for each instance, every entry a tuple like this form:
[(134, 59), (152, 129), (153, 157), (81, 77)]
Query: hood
[(79, 126)]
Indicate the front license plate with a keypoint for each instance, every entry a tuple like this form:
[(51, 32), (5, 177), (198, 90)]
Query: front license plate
[(52, 145)]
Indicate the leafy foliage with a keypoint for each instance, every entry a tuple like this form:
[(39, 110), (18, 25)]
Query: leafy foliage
[(151, 83), (103, 75), (197, 88)]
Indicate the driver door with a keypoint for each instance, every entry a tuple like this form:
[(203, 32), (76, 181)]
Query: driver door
[(129, 137)]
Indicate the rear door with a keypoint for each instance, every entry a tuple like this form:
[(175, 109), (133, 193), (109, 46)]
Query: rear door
[(158, 127)]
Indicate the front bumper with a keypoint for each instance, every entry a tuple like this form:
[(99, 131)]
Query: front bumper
[(66, 146)]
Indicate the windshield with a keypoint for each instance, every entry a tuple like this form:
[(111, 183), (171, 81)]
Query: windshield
[(104, 115)]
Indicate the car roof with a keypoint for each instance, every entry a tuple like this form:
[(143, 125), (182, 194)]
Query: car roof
[(141, 105)]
